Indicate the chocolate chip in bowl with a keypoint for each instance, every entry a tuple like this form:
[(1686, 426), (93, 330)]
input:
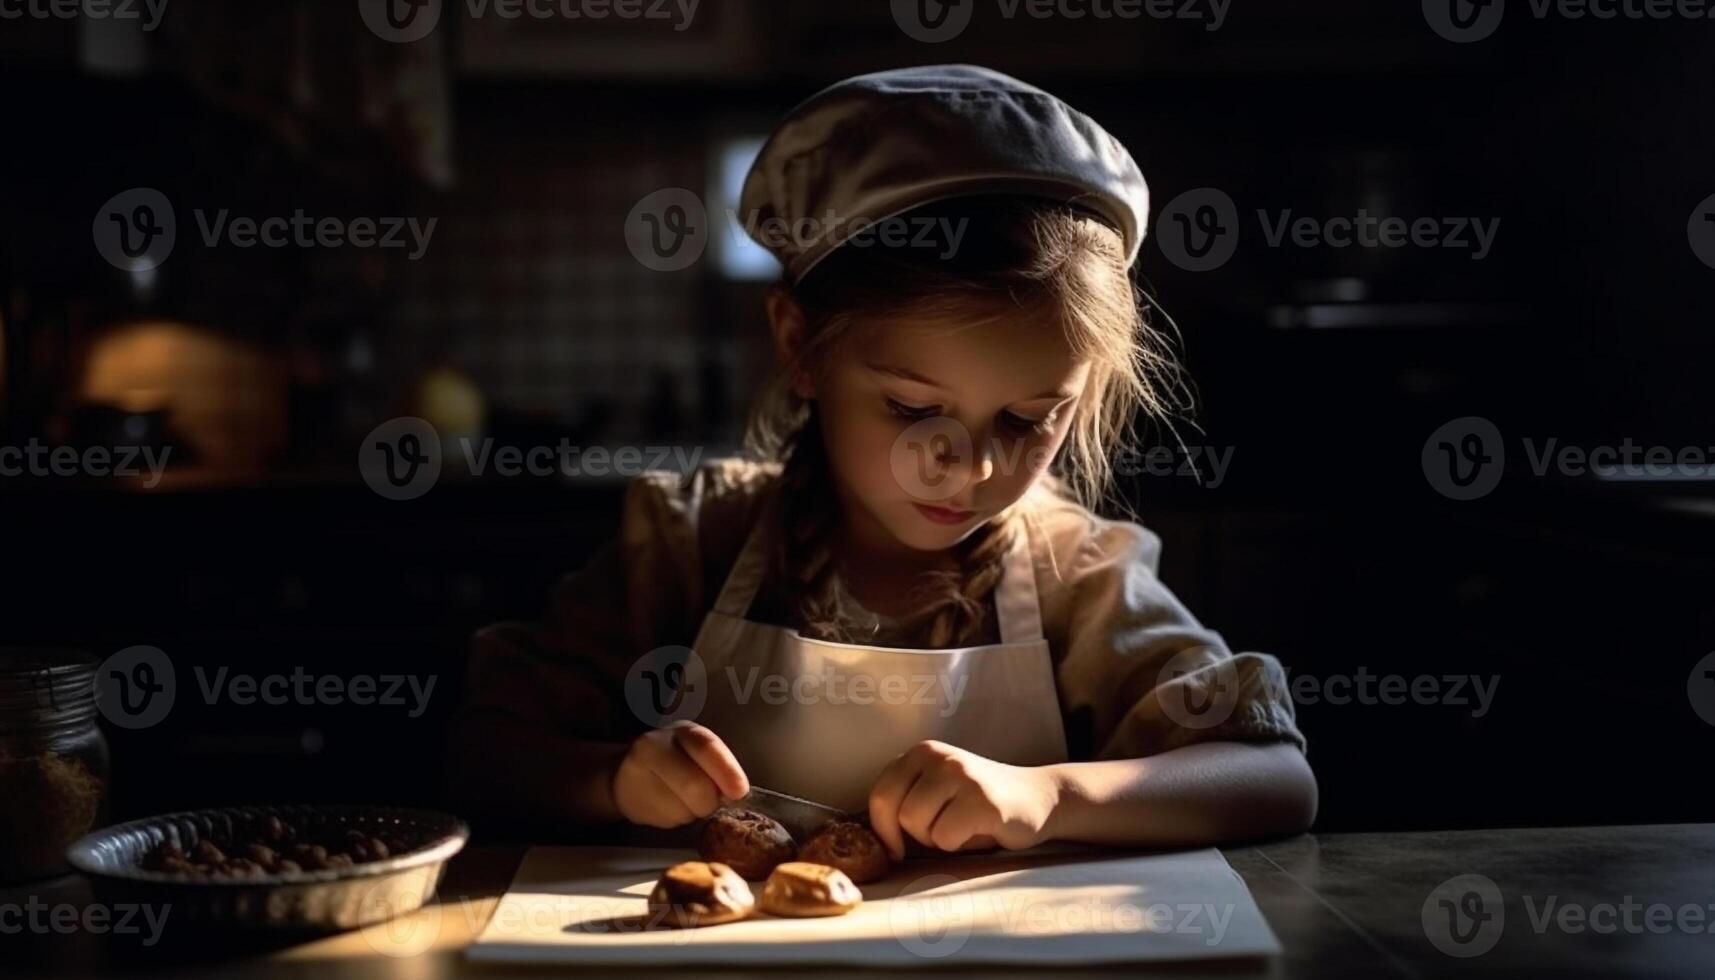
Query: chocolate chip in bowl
[(287, 868), (268, 845)]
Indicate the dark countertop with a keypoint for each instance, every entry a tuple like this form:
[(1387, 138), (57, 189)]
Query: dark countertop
[(1343, 905)]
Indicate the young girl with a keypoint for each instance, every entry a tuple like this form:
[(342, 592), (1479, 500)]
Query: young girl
[(904, 605)]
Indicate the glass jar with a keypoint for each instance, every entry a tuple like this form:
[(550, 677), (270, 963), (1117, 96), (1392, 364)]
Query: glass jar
[(53, 760)]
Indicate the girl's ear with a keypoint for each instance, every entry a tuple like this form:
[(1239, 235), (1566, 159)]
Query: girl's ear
[(786, 323)]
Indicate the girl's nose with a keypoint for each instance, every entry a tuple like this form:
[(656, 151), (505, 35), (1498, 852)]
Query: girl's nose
[(982, 467), (978, 456)]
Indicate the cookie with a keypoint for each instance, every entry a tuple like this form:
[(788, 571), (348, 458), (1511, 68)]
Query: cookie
[(799, 889), (750, 843), (851, 847), (700, 893)]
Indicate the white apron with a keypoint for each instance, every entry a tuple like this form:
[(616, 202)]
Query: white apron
[(821, 720)]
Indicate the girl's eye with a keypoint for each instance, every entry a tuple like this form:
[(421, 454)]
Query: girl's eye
[(1021, 424), (912, 412), (1017, 423)]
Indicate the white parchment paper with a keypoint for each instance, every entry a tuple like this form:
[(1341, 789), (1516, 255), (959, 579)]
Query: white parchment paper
[(588, 905)]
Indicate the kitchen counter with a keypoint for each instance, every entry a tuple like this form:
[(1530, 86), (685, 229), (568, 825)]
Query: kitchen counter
[(1598, 901)]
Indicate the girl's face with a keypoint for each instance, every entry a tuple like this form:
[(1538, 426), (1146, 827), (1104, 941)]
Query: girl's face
[(934, 428)]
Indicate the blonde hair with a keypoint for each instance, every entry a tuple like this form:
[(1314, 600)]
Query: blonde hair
[(1016, 253)]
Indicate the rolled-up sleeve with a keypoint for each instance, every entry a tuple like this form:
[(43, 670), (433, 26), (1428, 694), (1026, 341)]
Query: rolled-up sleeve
[(1140, 675)]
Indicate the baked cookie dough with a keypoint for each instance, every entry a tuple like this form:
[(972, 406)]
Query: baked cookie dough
[(750, 843), (700, 893), (851, 847), (799, 889)]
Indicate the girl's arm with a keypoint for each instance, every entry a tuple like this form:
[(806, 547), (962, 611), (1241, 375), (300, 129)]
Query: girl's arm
[(1209, 793), (1200, 746)]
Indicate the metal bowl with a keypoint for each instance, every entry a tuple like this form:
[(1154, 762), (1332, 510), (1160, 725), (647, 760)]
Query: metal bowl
[(308, 901)]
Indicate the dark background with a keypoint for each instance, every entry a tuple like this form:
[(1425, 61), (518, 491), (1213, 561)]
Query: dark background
[(1590, 321)]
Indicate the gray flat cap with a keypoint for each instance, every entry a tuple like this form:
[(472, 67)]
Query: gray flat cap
[(877, 145)]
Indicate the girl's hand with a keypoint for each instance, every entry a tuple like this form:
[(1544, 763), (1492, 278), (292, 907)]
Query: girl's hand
[(949, 798), (674, 775)]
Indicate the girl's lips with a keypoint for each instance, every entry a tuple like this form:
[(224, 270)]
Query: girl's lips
[(942, 515)]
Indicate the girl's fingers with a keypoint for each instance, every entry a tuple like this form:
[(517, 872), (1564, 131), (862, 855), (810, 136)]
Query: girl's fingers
[(643, 795), (886, 796), (960, 821), (931, 794), (712, 756), (672, 811), (682, 776)]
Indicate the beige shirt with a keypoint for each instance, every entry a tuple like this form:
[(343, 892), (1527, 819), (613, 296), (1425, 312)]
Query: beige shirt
[(1112, 627)]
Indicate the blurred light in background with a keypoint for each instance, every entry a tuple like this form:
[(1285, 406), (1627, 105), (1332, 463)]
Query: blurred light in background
[(448, 399), (739, 258), (223, 399), (143, 282)]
